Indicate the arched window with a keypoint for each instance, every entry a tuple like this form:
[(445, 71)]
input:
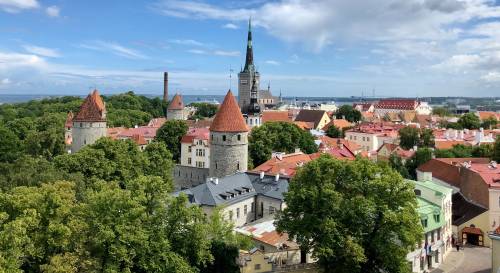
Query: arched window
[(417, 192)]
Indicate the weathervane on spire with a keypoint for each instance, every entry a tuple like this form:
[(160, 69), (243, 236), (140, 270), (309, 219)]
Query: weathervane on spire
[(230, 77)]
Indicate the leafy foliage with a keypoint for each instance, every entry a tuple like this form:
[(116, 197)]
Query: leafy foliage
[(459, 150), (469, 121), (335, 132), (171, 133), (496, 150), (203, 110), (349, 113), (410, 137), (278, 136), (354, 216), (441, 111)]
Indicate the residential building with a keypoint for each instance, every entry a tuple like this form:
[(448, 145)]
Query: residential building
[(254, 261), (175, 109), (339, 123), (429, 253), (276, 115), (385, 106), (318, 118), (387, 149), (195, 159), (447, 138), (89, 124), (244, 197), (228, 140), (478, 181), (368, 107), (371, 136), (495, 250)]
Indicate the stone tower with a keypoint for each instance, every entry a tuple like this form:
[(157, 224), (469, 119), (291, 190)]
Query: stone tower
[(175, 109), (253, 115), (228, 140), (247, 76), (89, 124)]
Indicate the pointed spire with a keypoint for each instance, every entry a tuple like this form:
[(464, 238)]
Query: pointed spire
[(249, 57), (229, 117)]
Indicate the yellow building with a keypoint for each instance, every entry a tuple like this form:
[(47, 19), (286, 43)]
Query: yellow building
[(254, 261), (495, 252)]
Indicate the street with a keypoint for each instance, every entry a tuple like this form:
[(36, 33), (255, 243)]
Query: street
[(470, 259)]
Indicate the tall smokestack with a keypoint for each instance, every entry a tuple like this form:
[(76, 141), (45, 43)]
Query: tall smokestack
[(165, 86)]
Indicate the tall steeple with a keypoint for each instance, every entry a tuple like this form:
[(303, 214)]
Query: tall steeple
[(254, 107), (249, 59)]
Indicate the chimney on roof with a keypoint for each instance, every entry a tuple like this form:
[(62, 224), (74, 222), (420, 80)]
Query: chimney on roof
[(216, 181), (165, 86), (493, 164), (261, 175), (277, 177)]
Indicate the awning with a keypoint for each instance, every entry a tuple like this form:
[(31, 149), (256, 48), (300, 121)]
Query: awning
[(472, 230)]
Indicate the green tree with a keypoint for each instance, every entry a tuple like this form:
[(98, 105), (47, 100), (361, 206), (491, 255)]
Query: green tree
[(278, 136), (10, 145), (354, 216), (204, 110), (397, 164), (349, 113), (483, 150), (408, 137), (441, 111), (171, 133), (334, 131), (489, 123), (469, 121), (496, 150), (421, 156), (426, 138), (159, 162)]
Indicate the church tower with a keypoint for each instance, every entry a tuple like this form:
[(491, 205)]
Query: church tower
[(247, 76), (89, 124), (228, 140), (253, 115)]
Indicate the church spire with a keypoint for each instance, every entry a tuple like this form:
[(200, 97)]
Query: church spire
[(249, 58)]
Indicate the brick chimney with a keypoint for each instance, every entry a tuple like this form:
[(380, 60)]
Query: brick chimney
[(165, 86)]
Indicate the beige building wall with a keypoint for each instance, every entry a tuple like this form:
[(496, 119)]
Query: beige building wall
[(266, 206), (481, 221), (258, 263), (324, 121), (494, 209), (495, 253), (190, 156)]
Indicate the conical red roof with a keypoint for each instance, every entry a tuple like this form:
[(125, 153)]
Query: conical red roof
[(92, 108), (176, 103), (229, 117)]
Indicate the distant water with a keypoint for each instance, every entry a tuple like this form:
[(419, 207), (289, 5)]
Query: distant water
[(5, 98)]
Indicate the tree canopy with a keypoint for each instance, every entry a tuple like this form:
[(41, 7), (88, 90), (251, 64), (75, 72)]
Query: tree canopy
[(171, 133), (354, 216), (203, 110), (469, 121), (349, 113), (335, 132), (278, 137)]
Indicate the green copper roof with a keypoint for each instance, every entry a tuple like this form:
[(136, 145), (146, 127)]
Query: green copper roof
[(439, 189), (430, 213)]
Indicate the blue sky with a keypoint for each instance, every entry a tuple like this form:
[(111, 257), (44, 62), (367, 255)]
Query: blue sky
[(303, 47)]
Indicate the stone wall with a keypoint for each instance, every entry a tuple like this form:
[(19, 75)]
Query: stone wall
[(86, 133), (228, 155), (187, 177), (245, 81), (175, 115)]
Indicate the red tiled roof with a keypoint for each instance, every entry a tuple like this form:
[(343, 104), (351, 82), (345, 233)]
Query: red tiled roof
[(488, 114), (497, 230), (285, 165), (144, 131), (339, 123), (229, 117), (304, 125), (364, 106), (400, 104), (139, 139), (196, 133), (92, 108), (157, 122), (472, 230), (69, 120), (275, 116), (201, 123), (448, 144), (447, 169), (113, 132), (176, 103)]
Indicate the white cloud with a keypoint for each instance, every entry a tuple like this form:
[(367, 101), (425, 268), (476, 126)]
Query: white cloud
[(197, 51), (114, 48), (53, 11), (230, 26), (12, 60), (42, 51), (5, 81), (492, 77), (188, 42), (272, 62), (226, 53), (14, 6)]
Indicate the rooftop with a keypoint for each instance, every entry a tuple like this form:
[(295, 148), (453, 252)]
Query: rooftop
[(400, 104), (196, 134), (314, 116), (273, 115), (176, 103), (92, 109), (229, 117), (265, 231)]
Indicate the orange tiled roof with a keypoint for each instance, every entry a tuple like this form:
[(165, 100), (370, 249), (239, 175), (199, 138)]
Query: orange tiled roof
[(448, 144), (229, 117), (275, 116), (304, 125), (339, 123), (139, 139), (176, 103), (447, 169), (400, 104), (285, 165), (488, 114), (92, 108), (69, 120)]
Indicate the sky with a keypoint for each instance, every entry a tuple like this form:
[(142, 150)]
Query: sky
[(410, 48)]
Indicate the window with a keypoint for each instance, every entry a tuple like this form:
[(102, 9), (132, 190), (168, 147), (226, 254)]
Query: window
[(257, 266), (224, 138), (251, 121), (237, 165), (216, 165), (439, 234), (251, 207), (237, 213), (432, 236), (189, 160), (436, 218), (84, 142), (245, 209), (417, 192), (200, 152), (81, 124), (239, 137), (230, 215), (189, 149), (200, 142), (271, 210), (424, 223)]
